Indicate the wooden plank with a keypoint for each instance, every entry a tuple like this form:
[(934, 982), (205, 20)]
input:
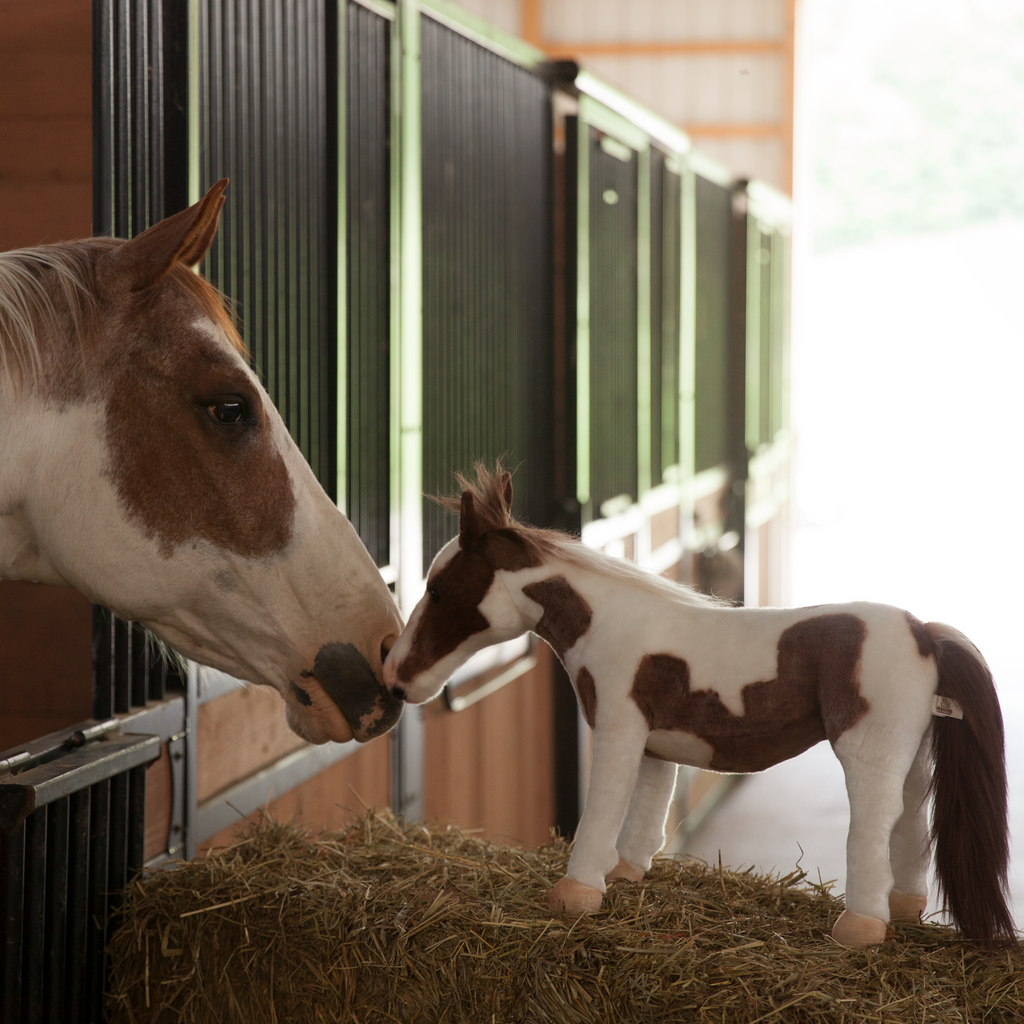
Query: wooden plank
[(738, 129), (52, 151), (491, 767), (332, 800), (52, 24), (238, 734), (35, 212), (664, 527), (158, 804), (663, 48), (46, 674), (45, 83)]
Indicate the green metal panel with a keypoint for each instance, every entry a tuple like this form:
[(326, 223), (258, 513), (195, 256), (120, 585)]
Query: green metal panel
[(688, 326), (644, 426), (583, 317), (410, 314), (713, 227)]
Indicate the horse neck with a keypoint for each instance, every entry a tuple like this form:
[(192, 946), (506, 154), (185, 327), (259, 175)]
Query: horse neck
[(574, 596)]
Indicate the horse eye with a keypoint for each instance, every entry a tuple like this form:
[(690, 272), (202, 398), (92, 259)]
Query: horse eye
[(228, 412), (434, 595)]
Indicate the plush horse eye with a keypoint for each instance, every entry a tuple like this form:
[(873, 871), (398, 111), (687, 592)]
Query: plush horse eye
[(228, 412), (434, 595)]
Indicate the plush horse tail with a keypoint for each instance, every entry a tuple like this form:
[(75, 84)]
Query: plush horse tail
[(969, 817)]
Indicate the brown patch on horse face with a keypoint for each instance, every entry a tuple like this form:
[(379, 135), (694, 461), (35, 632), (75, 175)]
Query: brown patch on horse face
[(814, 696), (180, 475), (461, 585), (925, 641), (586, 694), (566, 615)]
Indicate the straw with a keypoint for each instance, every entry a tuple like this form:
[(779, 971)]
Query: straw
[(385, 922)]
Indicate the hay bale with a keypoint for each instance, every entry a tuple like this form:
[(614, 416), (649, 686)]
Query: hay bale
[(390, 922)]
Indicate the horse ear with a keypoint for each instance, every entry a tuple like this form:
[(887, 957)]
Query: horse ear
[(469, 521), (181, 238), (506, 487)]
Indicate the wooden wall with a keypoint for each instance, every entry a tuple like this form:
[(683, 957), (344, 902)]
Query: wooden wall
[(491, 766), (45, 196)]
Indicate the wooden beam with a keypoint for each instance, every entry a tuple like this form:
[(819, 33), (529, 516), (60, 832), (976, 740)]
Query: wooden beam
[(726, 129), (679, 47), (531, 21)]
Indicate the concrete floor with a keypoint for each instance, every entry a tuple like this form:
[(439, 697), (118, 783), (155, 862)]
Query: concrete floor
[(908, 366)]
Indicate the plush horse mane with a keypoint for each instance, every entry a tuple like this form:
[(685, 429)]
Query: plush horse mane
[(49, 303), (490, 493)]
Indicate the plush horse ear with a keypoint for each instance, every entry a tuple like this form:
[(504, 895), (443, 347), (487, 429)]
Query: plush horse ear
[(505, 482), (181, 238), (469, 522)]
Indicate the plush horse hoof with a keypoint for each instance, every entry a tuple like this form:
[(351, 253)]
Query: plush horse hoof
[(906, 909), (625, 870), (857, 931), (573, 898)]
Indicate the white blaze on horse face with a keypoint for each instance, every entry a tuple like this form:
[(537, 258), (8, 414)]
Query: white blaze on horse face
[(258, 612)]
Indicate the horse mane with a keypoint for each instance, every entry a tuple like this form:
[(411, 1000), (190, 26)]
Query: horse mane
[(49, 305), (494, 513)]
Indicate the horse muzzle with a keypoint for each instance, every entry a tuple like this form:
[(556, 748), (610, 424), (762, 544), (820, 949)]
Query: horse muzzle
[(346, 677)]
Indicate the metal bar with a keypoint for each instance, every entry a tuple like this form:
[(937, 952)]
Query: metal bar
[(340, 44), (35, 919), (102, 78), (122, 666), (407, 745), (459, 702), (25, 792), (95, 973), (102, 662), (78, 902), (12, 909), (57, 825), (643, 323), (139, 669), (582, 317), (117, 866), (136, 820), (236, 802), (483, 34)]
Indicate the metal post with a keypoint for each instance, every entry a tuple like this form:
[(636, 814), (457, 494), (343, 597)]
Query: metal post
[(407, 746)]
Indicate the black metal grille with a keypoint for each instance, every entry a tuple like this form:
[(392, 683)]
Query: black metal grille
[(666, 284), (140, 167), (268, 117), (71, 836), (140, 136), (368, 174), (486, 273), (713, 227), (613, 323)]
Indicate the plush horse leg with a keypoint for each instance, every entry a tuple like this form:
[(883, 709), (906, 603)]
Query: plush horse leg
[(910, 846), (643, 833), (616, 763), (875, 788)]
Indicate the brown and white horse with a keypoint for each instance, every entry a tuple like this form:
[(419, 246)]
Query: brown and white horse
[(142, 463), (665, 676)]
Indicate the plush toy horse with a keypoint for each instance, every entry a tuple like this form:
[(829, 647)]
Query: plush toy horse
[(666, 676)]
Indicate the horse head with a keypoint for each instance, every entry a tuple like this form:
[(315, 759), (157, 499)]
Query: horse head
[(467, 605), (145, 465)]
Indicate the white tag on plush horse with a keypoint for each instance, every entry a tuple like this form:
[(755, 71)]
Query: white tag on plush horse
[(665, 676)]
